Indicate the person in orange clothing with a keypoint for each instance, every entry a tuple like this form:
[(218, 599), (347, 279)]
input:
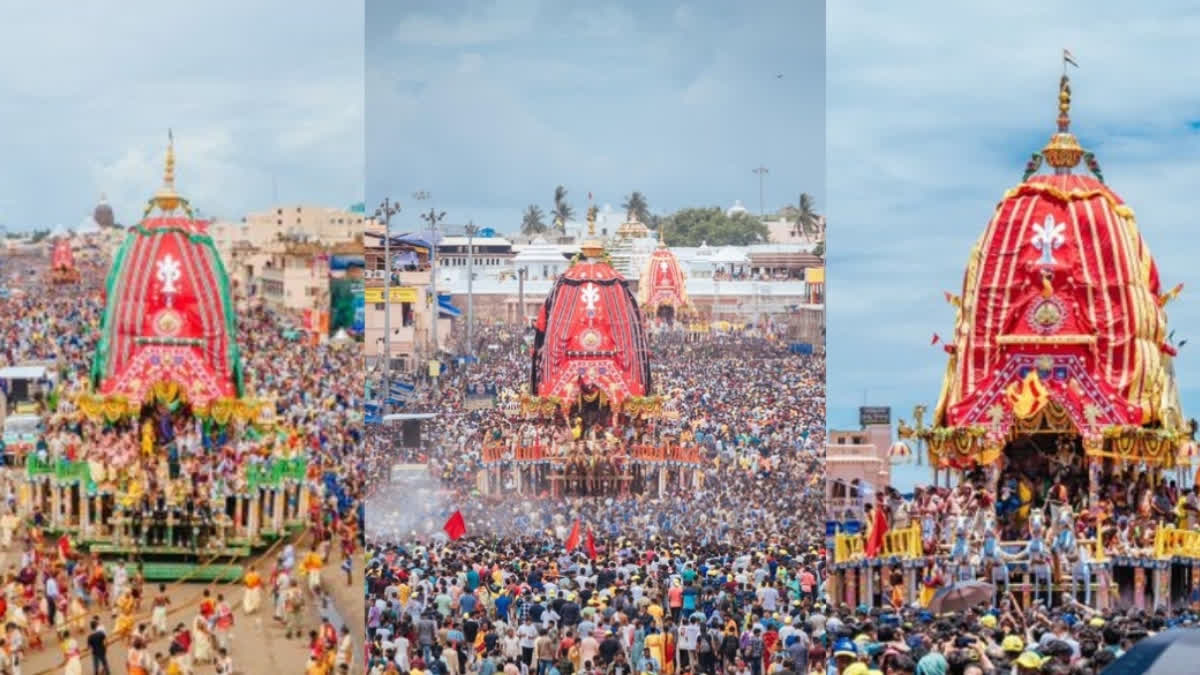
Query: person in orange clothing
[(312, 566), (252, 598)]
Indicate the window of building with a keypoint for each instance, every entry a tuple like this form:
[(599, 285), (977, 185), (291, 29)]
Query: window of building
[(279, 212), (406, 313)]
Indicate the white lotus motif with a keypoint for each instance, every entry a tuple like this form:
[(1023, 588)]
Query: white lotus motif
[(590, 296), (168, 272), (1047, 237)]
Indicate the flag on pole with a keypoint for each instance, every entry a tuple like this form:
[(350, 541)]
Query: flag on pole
[(936, 339), (591, 545), (1069, 58), (573, 538), (455, 526)]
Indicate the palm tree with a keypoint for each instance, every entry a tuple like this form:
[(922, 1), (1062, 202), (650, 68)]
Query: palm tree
[(562, 210), (637, 205), (806, 216), (532, 222)]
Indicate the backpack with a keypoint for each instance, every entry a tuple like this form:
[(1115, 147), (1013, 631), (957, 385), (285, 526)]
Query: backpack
[(705, 644)]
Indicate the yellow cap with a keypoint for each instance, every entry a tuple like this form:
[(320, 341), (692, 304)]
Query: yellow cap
[(1012, 643), (988, 621), (1030, 660), (1097, 622), (856, 668)]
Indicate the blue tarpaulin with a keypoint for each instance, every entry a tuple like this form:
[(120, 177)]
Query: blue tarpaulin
[(447, 309), (800, 348)]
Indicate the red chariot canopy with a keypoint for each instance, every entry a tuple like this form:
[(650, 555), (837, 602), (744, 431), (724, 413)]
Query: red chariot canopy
[(590, 338)]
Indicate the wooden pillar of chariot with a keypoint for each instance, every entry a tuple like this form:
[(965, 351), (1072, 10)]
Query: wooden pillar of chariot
[(1103, 587), (910, 584), (279, 502), (851, 586), (1162, 586), (1139, 587), (254, 526), (56, 505), (866, 586), (85, 520), (1194, 584), (239, 514)]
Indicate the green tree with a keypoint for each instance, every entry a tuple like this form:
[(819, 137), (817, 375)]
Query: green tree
[(819, 251), (562, 209), (637, 205), (805, 215), (694, 226), (39, 235), (531, 222)]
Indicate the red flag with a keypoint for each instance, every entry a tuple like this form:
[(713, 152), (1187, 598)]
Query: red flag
[(936, 339), (591, 544), (573, 538), (64, 546), (879, 528), (455, 526)]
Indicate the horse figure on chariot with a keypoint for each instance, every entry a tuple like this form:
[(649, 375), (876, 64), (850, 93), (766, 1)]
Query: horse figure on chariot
[(993, 558), (1072, 560), (960, 552), (1038, 556)]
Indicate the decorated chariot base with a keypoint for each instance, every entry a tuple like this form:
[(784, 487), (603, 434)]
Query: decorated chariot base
[(589, 468), (1055, 569)]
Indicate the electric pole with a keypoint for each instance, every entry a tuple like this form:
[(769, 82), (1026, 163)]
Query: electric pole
[(472, 230), (386, 210), (762, 175), (433, 218)]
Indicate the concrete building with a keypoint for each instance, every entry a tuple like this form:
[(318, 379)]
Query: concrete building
[(293, 222), (857, 464), (293, 276)]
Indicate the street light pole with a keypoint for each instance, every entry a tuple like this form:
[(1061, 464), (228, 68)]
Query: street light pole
[(433, 218), (472, 230), (521, 272), (385, 211), (762, 172)]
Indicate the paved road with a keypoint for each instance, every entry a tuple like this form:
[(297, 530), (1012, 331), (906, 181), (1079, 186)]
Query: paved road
[(258, 643)]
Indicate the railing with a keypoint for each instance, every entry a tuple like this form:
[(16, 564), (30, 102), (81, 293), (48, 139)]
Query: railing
[(273, 474), (1170, 542), (904, 543)]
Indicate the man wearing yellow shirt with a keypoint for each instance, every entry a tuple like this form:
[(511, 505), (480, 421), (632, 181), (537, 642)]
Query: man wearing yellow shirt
[(312, 566)]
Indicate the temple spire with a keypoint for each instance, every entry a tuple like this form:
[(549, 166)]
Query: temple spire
[(1063, 151), (166, 199), (592, 248)]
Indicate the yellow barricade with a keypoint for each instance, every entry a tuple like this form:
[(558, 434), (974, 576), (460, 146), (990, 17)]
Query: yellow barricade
[(904, 543), (1170, 542)]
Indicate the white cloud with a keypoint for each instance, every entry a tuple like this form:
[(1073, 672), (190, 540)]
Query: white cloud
[(610, 102), (246, 103), (483, 23)]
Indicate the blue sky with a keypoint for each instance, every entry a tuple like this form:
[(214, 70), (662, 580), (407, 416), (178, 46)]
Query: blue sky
[(489, 105), (261, 94), (934, 109)]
